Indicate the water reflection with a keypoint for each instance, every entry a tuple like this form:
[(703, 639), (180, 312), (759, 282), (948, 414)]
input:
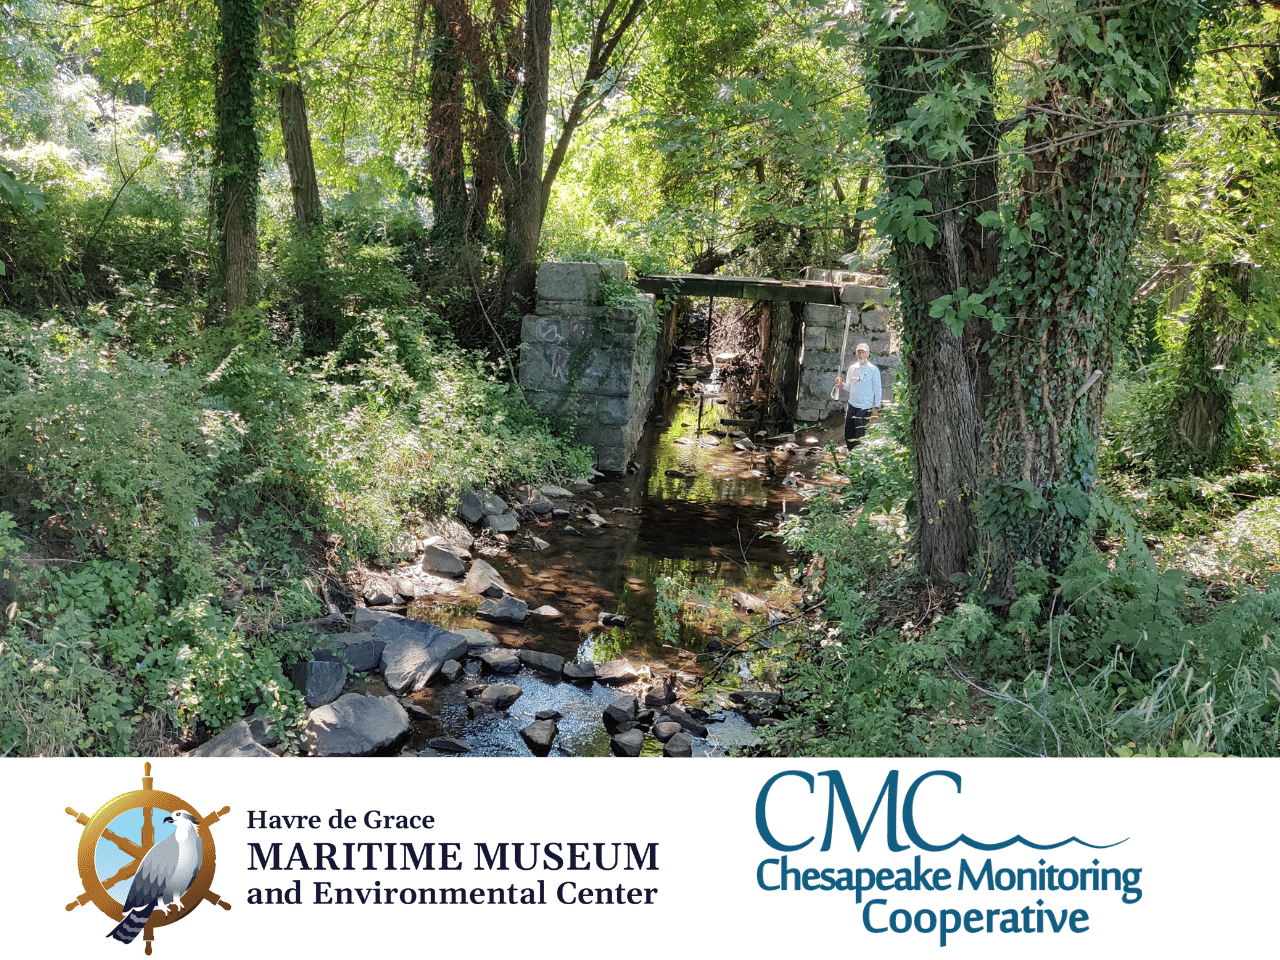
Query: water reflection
[(711, 525)]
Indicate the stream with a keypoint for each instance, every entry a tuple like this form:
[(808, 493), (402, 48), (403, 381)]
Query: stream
[(693, 505)]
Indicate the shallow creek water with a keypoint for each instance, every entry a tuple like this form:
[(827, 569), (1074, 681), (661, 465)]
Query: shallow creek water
[(712, 524)]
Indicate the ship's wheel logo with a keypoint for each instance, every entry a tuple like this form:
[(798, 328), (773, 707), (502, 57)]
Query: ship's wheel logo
[(146, 860)]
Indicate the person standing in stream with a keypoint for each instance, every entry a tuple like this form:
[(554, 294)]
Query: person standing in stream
[(864, 395)]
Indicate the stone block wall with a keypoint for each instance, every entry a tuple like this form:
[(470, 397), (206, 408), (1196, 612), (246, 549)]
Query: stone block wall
[(594, 364), (865, 303)]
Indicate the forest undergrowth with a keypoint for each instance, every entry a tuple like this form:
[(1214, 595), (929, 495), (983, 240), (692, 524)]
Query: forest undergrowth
[(1160, 638), (175, 486)]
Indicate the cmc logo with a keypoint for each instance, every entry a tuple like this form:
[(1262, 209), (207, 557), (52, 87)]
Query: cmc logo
[(896, 815)]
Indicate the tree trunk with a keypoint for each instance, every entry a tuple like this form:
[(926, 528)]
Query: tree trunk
[(445, 156), (1066, 290), (282, 39), (1007, 397), (1207, 366), (237, 154), (524, 205), (948, 383)]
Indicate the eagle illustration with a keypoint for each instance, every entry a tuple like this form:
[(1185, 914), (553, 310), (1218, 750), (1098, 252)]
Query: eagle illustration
[(165, 874)]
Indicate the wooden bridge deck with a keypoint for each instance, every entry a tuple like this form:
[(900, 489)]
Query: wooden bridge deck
[(741, 288)]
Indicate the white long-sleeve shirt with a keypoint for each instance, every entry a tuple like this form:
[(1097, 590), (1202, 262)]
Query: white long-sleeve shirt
[(863, 381)]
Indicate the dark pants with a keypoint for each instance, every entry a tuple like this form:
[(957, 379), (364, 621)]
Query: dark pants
[(855, 424)]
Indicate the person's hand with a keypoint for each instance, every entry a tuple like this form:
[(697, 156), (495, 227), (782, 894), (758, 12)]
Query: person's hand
[(839, 381)]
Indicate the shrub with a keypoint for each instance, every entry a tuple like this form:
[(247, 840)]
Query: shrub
[(105, 453), (865, 685), (1119, 653), (95, 648)]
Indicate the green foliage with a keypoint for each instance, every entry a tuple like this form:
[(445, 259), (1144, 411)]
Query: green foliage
[(95, 648), (1140, 425), (688, 610), (873, 693), (387, 428), (106, 452), (1153, 482), (730, 144), (669, 596), (15, 194), (858, 530), (234, 464), (117, 209), (1119, 653), (859, 687), (1014, 186)]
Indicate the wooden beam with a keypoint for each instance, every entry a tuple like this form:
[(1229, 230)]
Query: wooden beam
[(740, 288)]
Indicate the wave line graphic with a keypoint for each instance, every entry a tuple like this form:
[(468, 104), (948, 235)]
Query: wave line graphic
[(1019, 838)]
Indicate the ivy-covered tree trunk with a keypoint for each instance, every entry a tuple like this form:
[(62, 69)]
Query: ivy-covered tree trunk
[(446, 170), (1203, 417), (1066, 293), (1203, 410), (236, 150), (935, 256), (1008, 376)]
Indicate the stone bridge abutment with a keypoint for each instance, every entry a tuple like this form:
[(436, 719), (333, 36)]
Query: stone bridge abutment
[(593, 353)]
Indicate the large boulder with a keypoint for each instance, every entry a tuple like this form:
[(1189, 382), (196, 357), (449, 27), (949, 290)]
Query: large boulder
[(355, 726), (470, 508), (452, 671), (237, 740), (485, 581), (492, 504), (363, 619), (414, 652), (319, 681), (539, 736), (629, 743), (499, 695), (503, 522), (379, 591), (538, 503), (682, 717), (548, 663), (621, 714), (265, 729), (617, 672), (506, 610), (664, 730), (678, 746), (478, 640), (660, 694), (444, 557), (500, 661), (579, 672), (355, 653), (450, 529)]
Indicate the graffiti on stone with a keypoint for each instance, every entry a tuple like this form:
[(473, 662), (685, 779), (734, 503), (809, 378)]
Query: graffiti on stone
[(548, 331), (560, 357)]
